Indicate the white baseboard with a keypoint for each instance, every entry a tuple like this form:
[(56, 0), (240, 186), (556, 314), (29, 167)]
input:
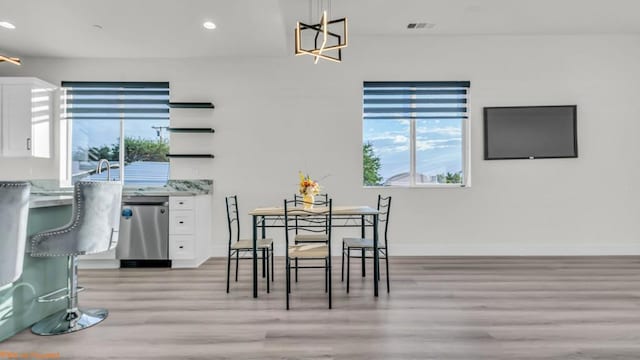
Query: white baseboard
[(187, 264), (620, 249)]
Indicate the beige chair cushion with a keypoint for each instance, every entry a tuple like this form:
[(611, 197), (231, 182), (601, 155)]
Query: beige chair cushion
[(248, 244), (359, 243), (308, 251), (312, 238)]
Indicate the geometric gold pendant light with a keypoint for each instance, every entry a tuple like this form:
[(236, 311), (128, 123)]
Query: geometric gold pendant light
[(324, 40), (13, 60)]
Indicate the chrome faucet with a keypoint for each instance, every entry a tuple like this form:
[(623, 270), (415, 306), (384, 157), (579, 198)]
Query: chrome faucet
[(99, 168)]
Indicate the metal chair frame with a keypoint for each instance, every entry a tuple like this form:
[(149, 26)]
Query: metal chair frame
[(292, 215), (384, 206), (233, 217), (310, 225)]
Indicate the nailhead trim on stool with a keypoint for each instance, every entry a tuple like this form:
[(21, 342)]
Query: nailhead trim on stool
[(77, 214)]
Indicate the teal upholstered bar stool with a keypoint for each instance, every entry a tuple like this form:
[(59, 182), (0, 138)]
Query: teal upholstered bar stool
[(14, 212), (93, 229)]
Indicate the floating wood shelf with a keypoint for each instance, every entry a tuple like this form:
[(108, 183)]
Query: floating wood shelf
[(191, 130), (191, 105), (201, 156)]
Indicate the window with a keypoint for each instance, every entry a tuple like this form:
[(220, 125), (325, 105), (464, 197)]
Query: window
[(123, 122), (415, 133)]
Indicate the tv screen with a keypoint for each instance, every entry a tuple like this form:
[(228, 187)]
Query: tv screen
[(530, 132)]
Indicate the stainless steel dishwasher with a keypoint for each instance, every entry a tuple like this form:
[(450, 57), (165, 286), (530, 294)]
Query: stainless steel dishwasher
[(144, 232)]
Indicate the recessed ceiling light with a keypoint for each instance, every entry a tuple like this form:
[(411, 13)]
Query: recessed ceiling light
[(209, 25), (7, 25)]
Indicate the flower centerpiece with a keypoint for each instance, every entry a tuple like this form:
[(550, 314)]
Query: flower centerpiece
[(308, 189)]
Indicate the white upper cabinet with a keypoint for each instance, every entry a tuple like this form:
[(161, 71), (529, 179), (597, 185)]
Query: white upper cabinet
[(27, 111)]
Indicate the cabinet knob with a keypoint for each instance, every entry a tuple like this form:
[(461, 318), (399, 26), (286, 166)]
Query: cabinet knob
[(181, 222)]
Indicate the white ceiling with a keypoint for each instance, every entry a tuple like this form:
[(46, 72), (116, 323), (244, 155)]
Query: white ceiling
[(142, 28), (173, 28)]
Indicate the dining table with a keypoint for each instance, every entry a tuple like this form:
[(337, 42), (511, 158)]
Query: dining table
[(341, 217)]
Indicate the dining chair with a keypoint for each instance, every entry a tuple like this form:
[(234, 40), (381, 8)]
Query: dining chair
[(239, 246), (319, 216), (364, 246), (310, 234), (307, 229)]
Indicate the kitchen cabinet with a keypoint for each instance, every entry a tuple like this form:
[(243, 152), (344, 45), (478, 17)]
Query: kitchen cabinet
[(27, 111), (189, 230), (182, 222), (182, 228)]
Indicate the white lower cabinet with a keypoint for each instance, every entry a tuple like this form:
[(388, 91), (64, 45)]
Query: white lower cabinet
[(181, 222), (182, 247), (182, 202), (189, 230)]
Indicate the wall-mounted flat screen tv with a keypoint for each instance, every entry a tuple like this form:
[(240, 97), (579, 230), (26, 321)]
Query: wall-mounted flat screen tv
[(530, 132)]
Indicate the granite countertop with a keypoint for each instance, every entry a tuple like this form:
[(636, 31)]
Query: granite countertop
[(50, 188), (173, 188), (40, 201)]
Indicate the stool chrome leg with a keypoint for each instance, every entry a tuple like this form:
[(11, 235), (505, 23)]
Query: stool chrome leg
[(73, 318)]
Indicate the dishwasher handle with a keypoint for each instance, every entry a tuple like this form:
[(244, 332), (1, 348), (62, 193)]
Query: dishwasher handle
[(142, 203)]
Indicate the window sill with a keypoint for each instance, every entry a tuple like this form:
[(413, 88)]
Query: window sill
[(420, 186)]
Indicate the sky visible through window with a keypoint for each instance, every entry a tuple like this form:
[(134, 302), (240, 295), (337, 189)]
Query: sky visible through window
[(438, 145), (423, 118)]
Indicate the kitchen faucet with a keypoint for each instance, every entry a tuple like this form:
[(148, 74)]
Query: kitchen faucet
[(99, 168)]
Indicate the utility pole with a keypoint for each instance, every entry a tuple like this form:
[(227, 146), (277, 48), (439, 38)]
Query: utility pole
[(158, 130)]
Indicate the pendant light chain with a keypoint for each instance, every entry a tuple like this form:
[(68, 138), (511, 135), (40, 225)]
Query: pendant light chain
[(320, 7)]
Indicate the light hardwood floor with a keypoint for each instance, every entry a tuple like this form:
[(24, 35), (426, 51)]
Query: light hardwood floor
[(439, 308)]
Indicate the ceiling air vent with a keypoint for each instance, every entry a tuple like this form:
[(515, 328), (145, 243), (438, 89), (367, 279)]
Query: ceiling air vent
[(420, 25)]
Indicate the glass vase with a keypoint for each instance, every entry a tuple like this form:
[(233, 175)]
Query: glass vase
[(307, 201)]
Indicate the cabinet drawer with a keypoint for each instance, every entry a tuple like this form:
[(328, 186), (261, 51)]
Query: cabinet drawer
[(181, 203), (182, 247), (182, 222)]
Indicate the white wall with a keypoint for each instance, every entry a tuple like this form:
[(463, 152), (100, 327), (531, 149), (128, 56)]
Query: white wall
[(275, 116)]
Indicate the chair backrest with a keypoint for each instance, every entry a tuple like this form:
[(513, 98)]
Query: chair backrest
[(384, 207), (232, 217), (94, 224), (14, 212), (298, 199), (316, 219), (307, 224)]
